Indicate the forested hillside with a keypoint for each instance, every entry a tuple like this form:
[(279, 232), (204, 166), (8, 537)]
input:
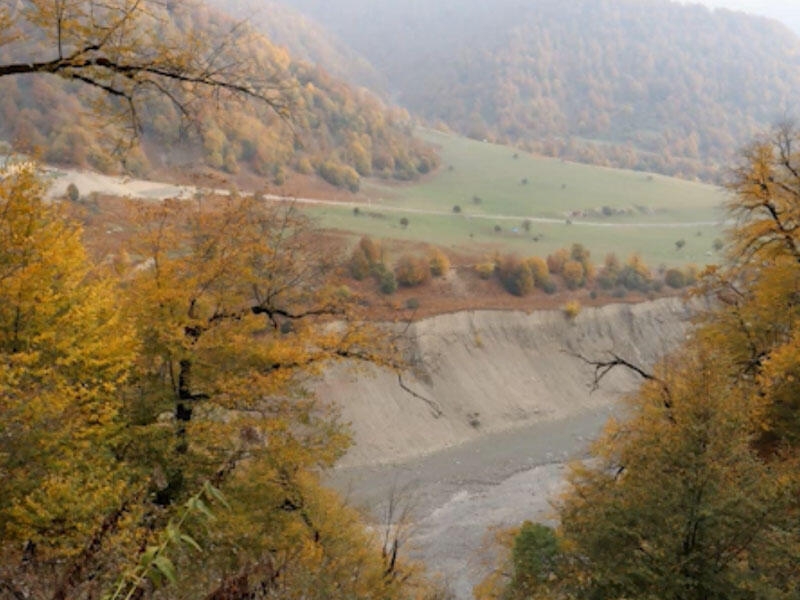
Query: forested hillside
[(320, 124), (649, 85), (307, 40)]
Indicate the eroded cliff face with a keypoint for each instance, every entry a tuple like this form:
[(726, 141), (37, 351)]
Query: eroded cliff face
[(488, 371)]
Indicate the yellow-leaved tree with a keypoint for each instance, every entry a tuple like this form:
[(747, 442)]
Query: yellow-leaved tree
[(696, 494), (132, 403), (66, 355)]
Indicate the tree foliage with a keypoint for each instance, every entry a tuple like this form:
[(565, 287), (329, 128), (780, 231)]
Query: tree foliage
[(695, 493), (653, 86), (163, 71), (133, 398)]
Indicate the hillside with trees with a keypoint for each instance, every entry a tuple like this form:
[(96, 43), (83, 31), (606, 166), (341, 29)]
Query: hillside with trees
[(694, 493), (650, 85), (299, 119)]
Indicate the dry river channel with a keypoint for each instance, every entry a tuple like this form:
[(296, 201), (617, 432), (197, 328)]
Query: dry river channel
[(480, 438), (456, 497)]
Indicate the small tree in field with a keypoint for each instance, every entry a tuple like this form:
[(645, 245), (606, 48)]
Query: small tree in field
[(557, 260), (515, 275), (574, 275), (439, 263), (72, 192), (412, 271)]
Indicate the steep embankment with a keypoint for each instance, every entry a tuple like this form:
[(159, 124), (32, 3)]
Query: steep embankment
[(485, 372)]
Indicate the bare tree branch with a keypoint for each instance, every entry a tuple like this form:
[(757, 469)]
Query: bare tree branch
[(604, 367)]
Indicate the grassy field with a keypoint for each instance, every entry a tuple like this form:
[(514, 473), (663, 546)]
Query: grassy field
[(496, 186)]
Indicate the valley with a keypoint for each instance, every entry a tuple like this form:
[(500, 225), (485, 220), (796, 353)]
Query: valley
[(515, 407), (430, 300)]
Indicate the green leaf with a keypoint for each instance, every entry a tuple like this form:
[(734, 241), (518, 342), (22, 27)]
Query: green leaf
[(189, 541), (196, 505), (148, 555), (173, 533), (165, 567), (214, 494)]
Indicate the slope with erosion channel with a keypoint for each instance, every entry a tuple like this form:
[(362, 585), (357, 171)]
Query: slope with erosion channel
[(478, 373), (498, 407)]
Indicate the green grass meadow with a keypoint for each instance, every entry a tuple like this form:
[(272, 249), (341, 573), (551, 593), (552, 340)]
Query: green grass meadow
[(625, 211)]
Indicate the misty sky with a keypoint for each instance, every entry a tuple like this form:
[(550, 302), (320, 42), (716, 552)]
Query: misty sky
[(787, 11)]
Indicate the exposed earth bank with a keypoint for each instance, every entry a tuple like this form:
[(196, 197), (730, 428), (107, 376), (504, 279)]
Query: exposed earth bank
[(484, 372), (479, 437)]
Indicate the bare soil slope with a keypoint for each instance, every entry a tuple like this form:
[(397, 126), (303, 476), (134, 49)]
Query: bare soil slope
[(490, 371)]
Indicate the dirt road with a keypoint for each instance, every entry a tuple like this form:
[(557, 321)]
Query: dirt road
[(88, 182)]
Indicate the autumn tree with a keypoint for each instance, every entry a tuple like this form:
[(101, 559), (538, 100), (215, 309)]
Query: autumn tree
[(573, 274), (130, 50), (125, 399), (439, 263), (412, 271), (682, 505), (515, 275), (695, 494), (67, 353), (556, 260)]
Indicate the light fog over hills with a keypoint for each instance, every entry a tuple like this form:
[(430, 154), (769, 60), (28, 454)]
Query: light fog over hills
[(785, 11), (650, 85)]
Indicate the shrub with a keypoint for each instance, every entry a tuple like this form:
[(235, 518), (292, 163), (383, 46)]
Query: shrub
[(304, 167), (439, 263), (620, 292), (633, 280), (456, 209), (476, 200), (549, 287), (609, 274), (339, 175), (497, 229), (372, 250), (718, 244), (680, 244), (605, 281), (404, 222), (534, 556), (675, 278), (515, 275), (573, 274), (691, 274), (572, 309), (412, 271), (387, 283), (359, 265), (72, 192), (556, 261), (485, 269), (579, 253), (279, 176), (539, 269), (412, 303)]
